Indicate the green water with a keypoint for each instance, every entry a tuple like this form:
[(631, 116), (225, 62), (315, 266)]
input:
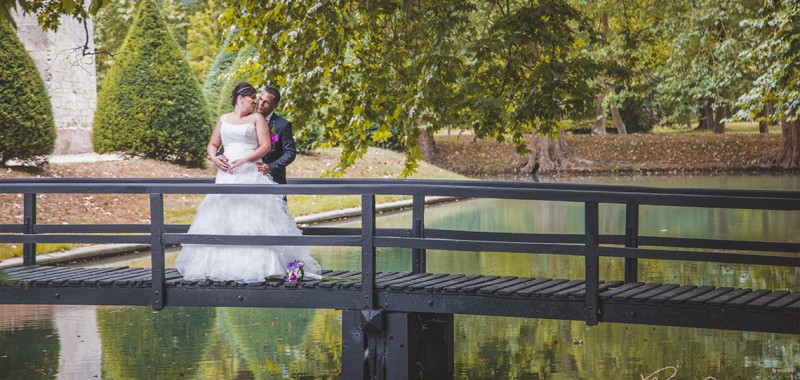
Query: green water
[(227, 343)]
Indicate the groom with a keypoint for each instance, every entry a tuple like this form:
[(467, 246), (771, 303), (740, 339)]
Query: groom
[(283, 148)]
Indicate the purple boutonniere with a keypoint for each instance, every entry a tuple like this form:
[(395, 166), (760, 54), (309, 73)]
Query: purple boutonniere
[(274, 135)]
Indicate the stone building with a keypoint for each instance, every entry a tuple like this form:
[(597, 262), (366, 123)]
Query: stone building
[(70, 78)]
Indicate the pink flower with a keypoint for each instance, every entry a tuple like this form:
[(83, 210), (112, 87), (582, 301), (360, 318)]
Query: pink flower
[(293, 277)]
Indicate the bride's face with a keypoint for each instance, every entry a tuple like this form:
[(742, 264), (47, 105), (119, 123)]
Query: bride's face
[(248, 102)]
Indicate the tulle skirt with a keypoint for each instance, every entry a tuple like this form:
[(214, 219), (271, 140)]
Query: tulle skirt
[(243, 214)]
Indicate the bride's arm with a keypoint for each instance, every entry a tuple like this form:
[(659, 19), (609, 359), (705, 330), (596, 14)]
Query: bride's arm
[(264, 142), (213, 147)]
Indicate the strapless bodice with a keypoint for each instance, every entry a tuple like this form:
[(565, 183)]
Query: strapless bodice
[(239, 140)]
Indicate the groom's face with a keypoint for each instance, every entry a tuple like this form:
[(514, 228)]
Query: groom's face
[(266, 103)]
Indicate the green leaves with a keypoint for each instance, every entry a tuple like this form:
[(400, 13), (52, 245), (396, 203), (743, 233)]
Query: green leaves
[(357, 74)]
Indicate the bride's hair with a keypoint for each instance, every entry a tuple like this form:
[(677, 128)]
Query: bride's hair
[(242, 89)]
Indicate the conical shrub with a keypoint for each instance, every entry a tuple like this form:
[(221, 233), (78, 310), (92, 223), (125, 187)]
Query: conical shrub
[(27, 129), (151, 104)]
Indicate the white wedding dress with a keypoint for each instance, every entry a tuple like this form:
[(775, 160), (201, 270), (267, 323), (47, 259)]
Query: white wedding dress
[(242, 214)]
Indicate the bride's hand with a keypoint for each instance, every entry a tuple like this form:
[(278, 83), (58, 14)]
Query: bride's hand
[(221, 162), (236, 164)]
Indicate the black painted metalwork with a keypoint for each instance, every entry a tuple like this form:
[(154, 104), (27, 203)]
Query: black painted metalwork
[(592, 261), (157, 247), (29, 227), (631, 240), (368, 250), (418, 255)]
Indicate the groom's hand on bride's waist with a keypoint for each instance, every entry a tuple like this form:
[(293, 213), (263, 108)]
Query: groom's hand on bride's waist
[(262, 167)]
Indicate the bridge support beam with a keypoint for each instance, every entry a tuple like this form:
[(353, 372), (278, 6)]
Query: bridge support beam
[(381, 345)]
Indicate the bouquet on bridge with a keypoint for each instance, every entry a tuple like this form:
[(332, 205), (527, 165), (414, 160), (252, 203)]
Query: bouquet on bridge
[(294, 271)]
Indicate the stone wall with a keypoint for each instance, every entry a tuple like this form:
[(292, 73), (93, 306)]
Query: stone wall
[(70, 78)]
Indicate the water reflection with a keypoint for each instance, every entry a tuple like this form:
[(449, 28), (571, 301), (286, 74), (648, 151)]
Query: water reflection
[(240, 343)]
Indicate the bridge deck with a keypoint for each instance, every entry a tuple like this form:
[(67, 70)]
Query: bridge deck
[(636, 302)]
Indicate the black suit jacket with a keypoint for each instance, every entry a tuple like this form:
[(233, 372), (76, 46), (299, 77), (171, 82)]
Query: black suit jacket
[(284, 151)]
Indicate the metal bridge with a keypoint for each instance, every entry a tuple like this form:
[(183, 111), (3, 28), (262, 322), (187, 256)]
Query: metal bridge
[(402, 322)]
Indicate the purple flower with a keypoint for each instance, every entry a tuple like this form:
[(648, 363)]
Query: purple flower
[(294, 271)]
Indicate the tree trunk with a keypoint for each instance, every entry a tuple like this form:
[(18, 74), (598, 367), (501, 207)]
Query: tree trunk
[(427, 145), (763, 126), (600, 118), (789, 155), (548, 156), (707, 120), (719, 125), (618, 121)]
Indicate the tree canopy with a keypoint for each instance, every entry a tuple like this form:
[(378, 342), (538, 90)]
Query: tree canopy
[(387, 73), (361, 73)]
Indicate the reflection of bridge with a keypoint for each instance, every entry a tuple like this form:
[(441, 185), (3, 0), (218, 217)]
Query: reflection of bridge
[(402, 322)]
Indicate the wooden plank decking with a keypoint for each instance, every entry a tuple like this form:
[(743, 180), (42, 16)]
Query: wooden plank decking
[(636, 302)]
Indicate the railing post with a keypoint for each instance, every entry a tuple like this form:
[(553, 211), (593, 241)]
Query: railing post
[(368, 250), (592, 238), (157, 249), (632, 241), (29, 219), (418, 255)]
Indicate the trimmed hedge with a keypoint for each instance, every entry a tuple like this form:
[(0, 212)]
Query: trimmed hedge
[(151, 104), (27, 129)]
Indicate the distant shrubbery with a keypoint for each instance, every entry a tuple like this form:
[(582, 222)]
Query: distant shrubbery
[(151, 104), (215, 78), (27, 129), (231, 79)]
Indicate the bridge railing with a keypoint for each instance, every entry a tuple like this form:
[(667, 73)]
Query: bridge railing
[(591, 244)]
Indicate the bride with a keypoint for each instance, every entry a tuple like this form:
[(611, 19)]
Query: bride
[(246, 139)]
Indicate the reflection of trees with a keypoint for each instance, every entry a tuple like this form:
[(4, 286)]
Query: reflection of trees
[(139, 343), (29, 352), (266, 340), (491, 347), (321, 349)]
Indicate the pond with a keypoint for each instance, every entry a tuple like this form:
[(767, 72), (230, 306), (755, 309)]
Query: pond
[(46, 342)]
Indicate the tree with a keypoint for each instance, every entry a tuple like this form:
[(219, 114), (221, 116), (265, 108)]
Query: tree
[(27, 128), (627, 48), (703, 70), (777, 57), (203, 38), (113, 21), (151, 104), (529, 76), (362, 73)]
